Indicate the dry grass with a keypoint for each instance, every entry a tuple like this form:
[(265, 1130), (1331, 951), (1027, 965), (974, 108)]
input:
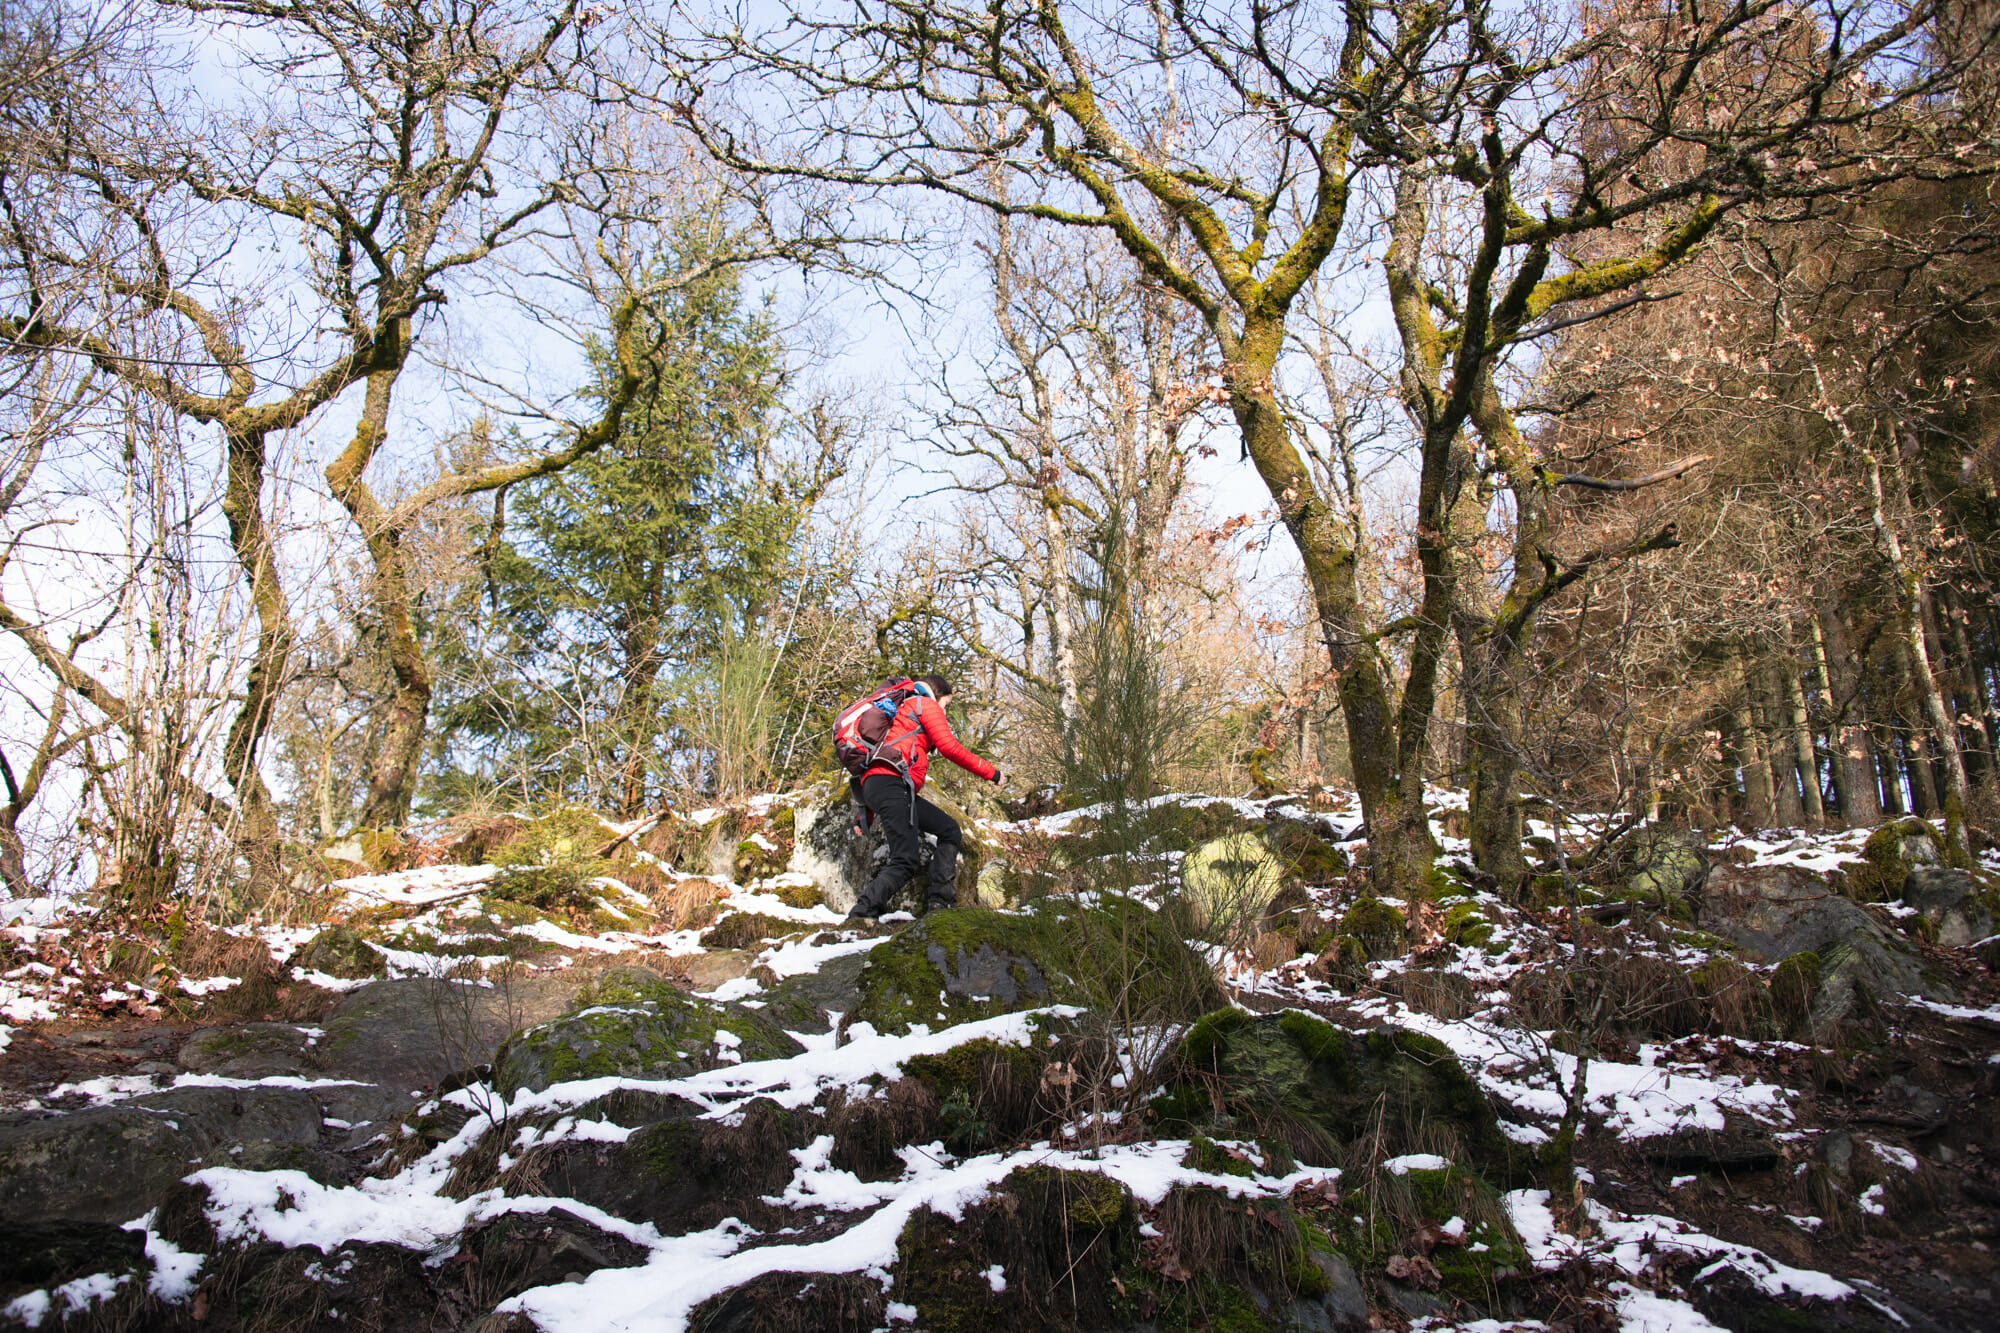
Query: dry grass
[(686, 904)]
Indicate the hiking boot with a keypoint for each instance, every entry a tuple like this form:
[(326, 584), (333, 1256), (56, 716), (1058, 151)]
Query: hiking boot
[(861, 917), (940, 905)]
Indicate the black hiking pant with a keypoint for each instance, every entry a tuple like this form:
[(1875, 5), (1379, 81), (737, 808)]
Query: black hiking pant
[(905, 816)]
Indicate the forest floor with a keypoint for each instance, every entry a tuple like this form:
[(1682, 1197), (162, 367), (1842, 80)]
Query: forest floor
[(1734, 1168)]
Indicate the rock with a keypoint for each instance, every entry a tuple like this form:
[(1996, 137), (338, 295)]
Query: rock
[(1903, 1104), (634, 1024), (1342, 1306), (706, 971), (680, 1173), (789, 1302), (339, 951), (1239, 1076), (515, 1251), (1377, 926), (969, 963), (1743, 1303), (825, 849), (230, 1116), (248, 1050), (1737, 1148), (1952, 901), (1782, 911), (410, 1034), (1229, 880), (1059, 1237), (38, 1252), (1664, 866), (1890, 854), (816, 1001), (109, 1164)]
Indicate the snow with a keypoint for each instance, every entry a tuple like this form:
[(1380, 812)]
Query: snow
[(1629, 1243), (661, 1294), (409, 888), (1420, 1161)]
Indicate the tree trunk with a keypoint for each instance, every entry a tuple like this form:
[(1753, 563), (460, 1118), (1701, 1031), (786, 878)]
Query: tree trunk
[(1387, 779), (1805, 756), (1756, 809), (1974, 704), (392, 775), (1774, 731), (243, 507), (1848, 735)]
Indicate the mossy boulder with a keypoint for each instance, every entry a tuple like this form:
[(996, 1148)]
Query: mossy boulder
[(761, 855), (1228, 880), (340, 951), (1306, 855), (1888, 857), (1794, 987), (1452, 1213), (1663, 867), (1465, 924), (1296, 1079), (1342, 963), (1061, 1240), (1779, 911), (1378, 926), (633, 1024), (968, 963), (1959, 908)]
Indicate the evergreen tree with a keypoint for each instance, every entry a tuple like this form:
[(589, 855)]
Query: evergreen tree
[(614, 580)]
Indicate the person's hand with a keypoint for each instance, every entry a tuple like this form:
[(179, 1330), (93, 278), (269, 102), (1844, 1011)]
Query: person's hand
[(999, 778)]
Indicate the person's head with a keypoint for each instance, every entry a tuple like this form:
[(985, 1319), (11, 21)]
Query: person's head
[(938, 686)]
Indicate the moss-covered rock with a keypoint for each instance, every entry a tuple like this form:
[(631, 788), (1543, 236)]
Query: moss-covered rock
[(339, 951), (1305, 854), (1295, 1079), (760, 856), (1060, 1238), (632, 1023), (1888, 857), (1478, 1254), (964, 964), (1378, 926), (1465, 925), (1794, 986), (1229, 880), (1663, 867), (748, 930)]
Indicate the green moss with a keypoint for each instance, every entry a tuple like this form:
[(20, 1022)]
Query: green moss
[(1378, 926), (1794, 984), (1464, 925), (1888, 856), (958, 1070), (743, 930), (1209, 1036), (801, 895), (1205, 1154), (963, 964), (1319, 1039)]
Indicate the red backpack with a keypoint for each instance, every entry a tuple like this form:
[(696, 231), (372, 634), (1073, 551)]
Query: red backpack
[(861, 731)]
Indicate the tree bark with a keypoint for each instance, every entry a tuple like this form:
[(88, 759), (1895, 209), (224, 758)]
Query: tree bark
[(1805, 755), (1848, 736), (1756, 803), (242, 505)]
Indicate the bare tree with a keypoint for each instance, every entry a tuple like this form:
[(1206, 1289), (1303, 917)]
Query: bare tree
[(1283, 116)]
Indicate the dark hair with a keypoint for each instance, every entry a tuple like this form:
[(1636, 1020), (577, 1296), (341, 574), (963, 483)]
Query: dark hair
[(940, 687)]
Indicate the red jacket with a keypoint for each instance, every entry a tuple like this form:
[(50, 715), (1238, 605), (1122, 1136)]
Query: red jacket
[(919, 725)]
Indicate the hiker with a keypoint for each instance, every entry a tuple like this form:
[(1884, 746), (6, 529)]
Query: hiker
[(892, 773)]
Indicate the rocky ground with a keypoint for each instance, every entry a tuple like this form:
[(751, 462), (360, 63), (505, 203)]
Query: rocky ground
[(1176, 1072)]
